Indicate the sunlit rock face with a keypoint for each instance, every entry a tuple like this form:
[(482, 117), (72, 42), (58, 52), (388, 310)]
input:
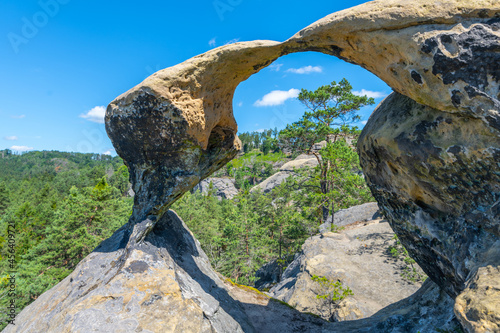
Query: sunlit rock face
[(432, 161), (177, 127), (436, 176), (163, 284), (430, 153)]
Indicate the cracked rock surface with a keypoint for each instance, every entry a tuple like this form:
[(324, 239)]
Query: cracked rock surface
[(430, 153)]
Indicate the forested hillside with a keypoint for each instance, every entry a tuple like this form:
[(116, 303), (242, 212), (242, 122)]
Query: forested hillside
[(57, 207)]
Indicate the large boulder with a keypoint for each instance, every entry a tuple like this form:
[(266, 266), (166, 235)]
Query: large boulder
[(360, 213), (435, 177), (360, 258), (164, 284), (223, 187), (430, 153)]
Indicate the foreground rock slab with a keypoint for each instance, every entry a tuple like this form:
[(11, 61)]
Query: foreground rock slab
[(360, 258), (435, 177), (164, 284), (434, 171)]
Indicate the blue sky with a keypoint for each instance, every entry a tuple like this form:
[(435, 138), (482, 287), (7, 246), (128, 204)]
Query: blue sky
[(63, 61)]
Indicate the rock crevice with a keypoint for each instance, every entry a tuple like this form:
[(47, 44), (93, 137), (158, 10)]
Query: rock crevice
[(430, 154)]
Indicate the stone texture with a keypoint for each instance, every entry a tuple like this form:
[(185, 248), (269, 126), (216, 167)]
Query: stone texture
[(164, 284), (361, 213), (433, 166), (223, 187), (302, 161), (268, 275), (269, 183), (435, 177), (477, 307), (359, 257)]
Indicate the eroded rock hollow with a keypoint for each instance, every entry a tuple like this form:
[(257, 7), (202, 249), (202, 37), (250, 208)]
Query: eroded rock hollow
[(430, 151)]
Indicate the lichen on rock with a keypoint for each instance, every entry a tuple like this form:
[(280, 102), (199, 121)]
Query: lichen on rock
[(430, 153)]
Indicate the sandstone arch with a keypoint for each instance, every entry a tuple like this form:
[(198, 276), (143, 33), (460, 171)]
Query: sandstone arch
[(442, 59), (443, 56)]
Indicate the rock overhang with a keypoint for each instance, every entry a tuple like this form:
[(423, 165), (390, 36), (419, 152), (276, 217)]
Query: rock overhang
[(177, 126)]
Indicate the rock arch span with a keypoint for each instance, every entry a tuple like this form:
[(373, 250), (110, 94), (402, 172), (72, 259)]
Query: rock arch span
[(430, 152)]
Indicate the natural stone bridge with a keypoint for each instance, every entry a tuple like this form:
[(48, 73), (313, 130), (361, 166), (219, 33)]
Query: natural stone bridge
[(430, 151)]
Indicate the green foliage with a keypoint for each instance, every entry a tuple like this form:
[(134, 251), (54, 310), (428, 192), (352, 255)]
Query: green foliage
[(4, 198), (331, 292), (411, 272), (264, 141), (331, 109), (63, 205), (242, 234)]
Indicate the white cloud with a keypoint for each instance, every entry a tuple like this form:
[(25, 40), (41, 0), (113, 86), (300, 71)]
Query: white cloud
[(19, 117), (260, 130), (275, 67), (96, 114), (11, 138), (240, 104), (368, 93), (235, 40), (109, 152), (21, 148), (212, 42), (277, 97), (306, 70), (364, 122)]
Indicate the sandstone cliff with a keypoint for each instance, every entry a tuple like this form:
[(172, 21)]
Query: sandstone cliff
[(430, 153), (359, 257), (163, 284)]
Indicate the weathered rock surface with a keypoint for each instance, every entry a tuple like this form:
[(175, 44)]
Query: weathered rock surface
[(436, 177), (433, 167), (268, 275), (425, 311), (269, 315), (164, 284), (359, 257), (286, 170), (361, 213), (269, 183), (223, 187), (302, 161)]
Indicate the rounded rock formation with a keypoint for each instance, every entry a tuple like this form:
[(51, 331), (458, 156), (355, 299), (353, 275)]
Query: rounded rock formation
[(431, 154)]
